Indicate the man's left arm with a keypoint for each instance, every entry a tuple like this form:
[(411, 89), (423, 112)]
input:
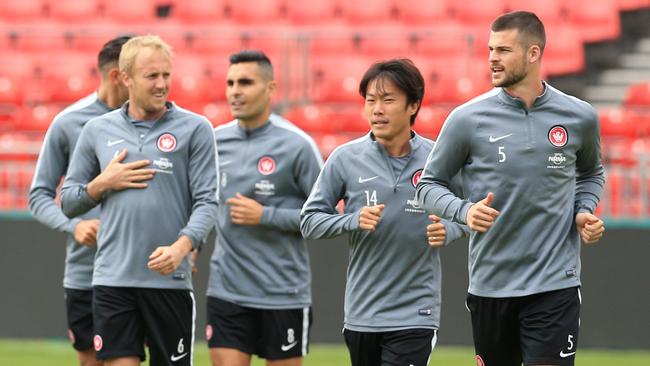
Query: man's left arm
[(203, 170), (590, 182), (306, 167)]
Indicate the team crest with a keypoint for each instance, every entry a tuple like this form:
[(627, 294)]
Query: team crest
[(415, 178), (71, 336), (479, 361), (558, 136), (266, 165), (166, 142), (98, 342), (208, 332)]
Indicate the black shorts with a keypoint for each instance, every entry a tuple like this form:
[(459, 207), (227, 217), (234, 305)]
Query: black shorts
[(394, 348), (539, 329), (127, 317), (269, 333), (79, 310)]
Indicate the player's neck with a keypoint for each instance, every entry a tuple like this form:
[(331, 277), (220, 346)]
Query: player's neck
[(140, 114), (108, 96), (527, 90), (253, 123), (398, 145)]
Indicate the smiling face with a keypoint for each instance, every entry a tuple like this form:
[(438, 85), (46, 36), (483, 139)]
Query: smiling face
[(508, 58), (149, 82), (388, 110), (249, 93)]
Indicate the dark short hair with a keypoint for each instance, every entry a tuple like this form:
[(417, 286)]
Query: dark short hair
[(530, 27), (403, 73), (110, 52), (254, 56)]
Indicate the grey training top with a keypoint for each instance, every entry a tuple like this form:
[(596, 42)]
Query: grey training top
[(52, 165), (393, 279), (264, 266), (181, 199), (543, 166)]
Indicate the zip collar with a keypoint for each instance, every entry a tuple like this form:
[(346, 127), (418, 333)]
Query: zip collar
[(518, 103)]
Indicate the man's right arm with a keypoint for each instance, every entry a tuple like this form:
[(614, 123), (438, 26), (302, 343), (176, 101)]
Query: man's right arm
[(51, 166), (319, 217), (84, 166), (445, 160)]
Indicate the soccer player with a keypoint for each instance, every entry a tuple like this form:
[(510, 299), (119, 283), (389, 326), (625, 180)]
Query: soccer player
[(142, 286), (52, 164), (530, 159), (392, 295), (259, 292)]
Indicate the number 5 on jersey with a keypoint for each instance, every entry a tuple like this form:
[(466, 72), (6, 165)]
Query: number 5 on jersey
[(371, 198), (502, 154)]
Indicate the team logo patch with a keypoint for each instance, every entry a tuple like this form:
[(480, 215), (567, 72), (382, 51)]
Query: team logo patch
[(98, 342), (208, 332), (71, 336), (479, 361), (415, 178), (558, 136), (266, 165), (166, 142)]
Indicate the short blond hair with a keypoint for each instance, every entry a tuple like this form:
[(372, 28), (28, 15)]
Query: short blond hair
[(131, 49)]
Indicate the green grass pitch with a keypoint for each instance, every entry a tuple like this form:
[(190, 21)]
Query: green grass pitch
[(59, 353)]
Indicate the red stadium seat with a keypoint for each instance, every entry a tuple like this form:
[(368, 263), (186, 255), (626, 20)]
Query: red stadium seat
[(478, 13), (633, 4), (208, 11), (386, 42), (73, 10), (189, 79), (334, 39), (222, 39), (430, 120), (313, 119), (451, 82), (328, 142), (41, 36), (22, 10), (446, 39), (550, 12), (66, 76), (129, 11), (305, 13), (638, 95), (594, 20), (37, 118), (335, 80), (412, 12), (367, 11), (91, 38), (564, 52), (255, 11), (16, 69), (616, 123)]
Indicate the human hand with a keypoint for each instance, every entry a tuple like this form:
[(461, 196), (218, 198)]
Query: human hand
[(590, 227), (119, 176), (436, 232), (481, 216), (85, 232), (244, 210), (369, 217), (166, 259)]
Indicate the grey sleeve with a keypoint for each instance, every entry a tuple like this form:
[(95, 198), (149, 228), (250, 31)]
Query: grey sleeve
[(203, 169), (305, 172), (51, 166), (454, 231), (83, 168), (443, 164), (319, 217), (590, 174)]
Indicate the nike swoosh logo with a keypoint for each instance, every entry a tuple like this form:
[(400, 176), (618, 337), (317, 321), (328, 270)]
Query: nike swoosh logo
[(495, 139), (287, 347), (224, 163), (565, 355), (175, 358), (362, 180), (113, 143)]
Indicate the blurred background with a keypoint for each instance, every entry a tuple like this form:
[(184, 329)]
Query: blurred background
[(598, 50)]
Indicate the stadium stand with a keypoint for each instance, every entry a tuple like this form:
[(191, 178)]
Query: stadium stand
[(320, 50)]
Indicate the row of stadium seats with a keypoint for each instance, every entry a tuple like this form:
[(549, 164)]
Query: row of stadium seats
[(592, 15)]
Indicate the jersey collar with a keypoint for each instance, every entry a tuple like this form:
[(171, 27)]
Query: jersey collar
[(518, 103)]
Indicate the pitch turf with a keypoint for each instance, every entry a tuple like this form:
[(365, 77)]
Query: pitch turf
[(59, 353)]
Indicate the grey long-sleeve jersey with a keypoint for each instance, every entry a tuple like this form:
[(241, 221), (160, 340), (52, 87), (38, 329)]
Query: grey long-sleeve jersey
[(264, 266), (393, 279), (181, 199), (543, 166), (52, 165)]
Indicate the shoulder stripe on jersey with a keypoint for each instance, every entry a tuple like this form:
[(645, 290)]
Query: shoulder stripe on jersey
[(352, 142), (181, 109), (225, 125), (474, 100), (305, 330), (567, 95), (283, 123), (78, 105)]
